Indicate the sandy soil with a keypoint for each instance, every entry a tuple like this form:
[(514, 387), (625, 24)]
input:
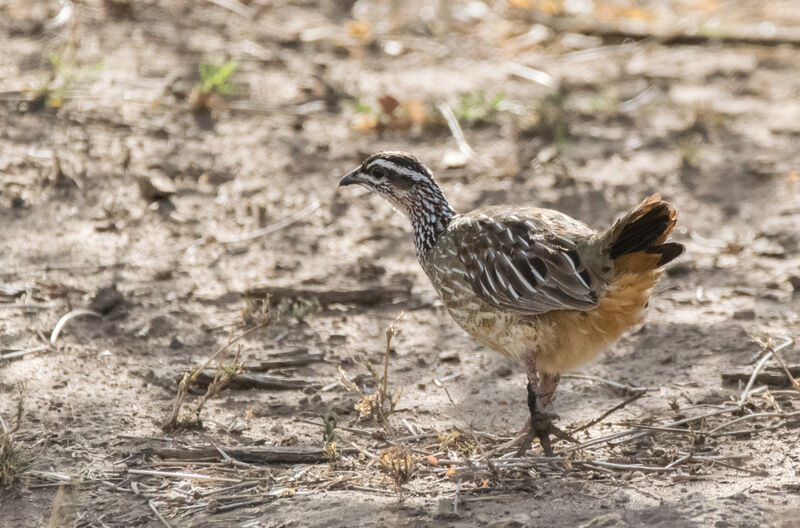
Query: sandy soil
[(713, 126)]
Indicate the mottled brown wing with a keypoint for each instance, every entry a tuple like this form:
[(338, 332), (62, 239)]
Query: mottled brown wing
[(513, 265)]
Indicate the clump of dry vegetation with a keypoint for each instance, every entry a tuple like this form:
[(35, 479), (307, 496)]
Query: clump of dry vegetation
[(398, 465), (261, 316), (462, 442), (13, 460), (379, 405), (331, 450)]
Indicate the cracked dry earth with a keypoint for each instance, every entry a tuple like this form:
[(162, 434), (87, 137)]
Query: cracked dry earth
[(713, 126)]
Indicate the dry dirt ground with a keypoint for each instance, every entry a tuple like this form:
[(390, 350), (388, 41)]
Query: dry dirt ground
[(96, 104)]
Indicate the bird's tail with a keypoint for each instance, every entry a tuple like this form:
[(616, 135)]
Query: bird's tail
[(645, 229)]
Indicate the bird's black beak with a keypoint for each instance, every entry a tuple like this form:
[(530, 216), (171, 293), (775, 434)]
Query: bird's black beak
[(351, 178)]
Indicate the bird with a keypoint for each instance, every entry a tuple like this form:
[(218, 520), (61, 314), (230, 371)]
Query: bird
[(533, 284)]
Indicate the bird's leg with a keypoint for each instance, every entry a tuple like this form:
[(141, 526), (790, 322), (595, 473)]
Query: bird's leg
[(541, 389), (546, 390)]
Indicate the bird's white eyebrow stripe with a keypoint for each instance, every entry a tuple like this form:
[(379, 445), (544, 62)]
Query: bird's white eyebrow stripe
[(386, 164)]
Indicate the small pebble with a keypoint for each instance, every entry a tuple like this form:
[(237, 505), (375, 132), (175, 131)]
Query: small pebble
[(503, 371), (449, 356)]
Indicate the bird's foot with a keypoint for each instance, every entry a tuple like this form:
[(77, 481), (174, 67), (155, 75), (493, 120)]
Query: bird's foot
[(541, 426)]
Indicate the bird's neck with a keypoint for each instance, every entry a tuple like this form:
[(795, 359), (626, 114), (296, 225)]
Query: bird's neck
[(430, 214)]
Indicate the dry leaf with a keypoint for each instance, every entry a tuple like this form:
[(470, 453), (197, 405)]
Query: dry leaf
[(451, 472), (433, 460), (388, 104)]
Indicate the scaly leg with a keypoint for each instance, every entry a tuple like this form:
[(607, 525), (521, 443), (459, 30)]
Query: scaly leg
[(541, 390), (546, 390)]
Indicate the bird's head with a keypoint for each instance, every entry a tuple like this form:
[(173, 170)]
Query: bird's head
[(405, 182)]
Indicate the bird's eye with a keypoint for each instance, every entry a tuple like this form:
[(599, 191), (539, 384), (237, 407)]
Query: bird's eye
[(379, 172)]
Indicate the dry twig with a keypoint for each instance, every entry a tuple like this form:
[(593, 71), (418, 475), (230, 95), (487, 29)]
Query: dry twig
[(363, 296)]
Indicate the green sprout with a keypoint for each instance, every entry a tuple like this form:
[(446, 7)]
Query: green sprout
[(217, 78), (65, 81), (476, 106)]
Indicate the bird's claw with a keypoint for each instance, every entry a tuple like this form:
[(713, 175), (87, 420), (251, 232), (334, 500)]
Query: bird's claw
[(541, 426)]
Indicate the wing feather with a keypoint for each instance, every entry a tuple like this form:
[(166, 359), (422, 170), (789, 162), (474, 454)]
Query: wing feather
[(515, 265)]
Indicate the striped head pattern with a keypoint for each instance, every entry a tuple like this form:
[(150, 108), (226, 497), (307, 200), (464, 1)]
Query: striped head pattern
[(409, 186)]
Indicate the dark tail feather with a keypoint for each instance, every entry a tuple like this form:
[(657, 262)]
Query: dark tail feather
[(669, 252), (646, 229)]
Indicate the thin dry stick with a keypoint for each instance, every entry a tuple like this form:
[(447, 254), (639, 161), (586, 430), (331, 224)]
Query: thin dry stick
[(158, 514), (178, 474), (534, 75), (289, 220), (633, 434), (662, 429), (760, 365), (232, 340), (390, 333), (679, 461), (235, 7), (26, 306), (365, 452), (604, 381), (792, 380), (631, 467), (22, 353), (609, 412), (65, 319), (751, 416), (455, 130)]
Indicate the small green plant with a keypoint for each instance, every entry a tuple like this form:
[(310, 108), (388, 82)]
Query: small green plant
[(474, 107), (299, 308), (216, 80), (359, 106), (65, 80), (330, 449)]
